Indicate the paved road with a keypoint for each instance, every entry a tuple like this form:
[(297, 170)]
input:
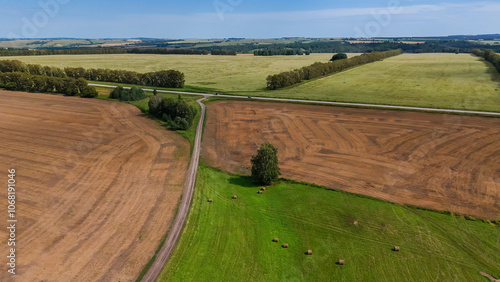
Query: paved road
[(329, 103), (187, 194)]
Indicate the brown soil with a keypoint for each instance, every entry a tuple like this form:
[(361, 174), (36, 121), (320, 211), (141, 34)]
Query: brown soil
[(435, 161), (97, 186)]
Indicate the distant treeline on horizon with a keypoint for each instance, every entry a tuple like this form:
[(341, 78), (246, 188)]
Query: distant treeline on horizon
[(286, 48)]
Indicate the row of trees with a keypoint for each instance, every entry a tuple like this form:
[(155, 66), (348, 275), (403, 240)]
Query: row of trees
[(283, 52), (21, 81), (177, 113), (220, 52), (133, 94), (316, 70), (490, 56), (166, 78), (98, 51), (443, 45), (335, 46)]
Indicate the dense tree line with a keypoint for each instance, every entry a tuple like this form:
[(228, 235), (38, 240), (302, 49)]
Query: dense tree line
[(79, 51), (443, 45), (22, 81), (335, 46), (221, 52), (490, 56), (166, 78), (178, 114), (99, 50), (281, 52), (318, 69), (133, 94)]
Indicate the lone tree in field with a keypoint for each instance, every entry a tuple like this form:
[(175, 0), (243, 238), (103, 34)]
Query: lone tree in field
[(265, 167)]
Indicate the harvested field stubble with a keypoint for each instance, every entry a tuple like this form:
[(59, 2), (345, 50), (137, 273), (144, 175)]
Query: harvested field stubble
[(435, 161), (98, 184)]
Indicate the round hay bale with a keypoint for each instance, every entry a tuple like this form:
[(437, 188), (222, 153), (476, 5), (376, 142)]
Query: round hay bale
[(235, 197), (210, 200), (260, 192), (263, 188), (309, 252), (341, 262), (285, 245), (355, 223), (396, 249), (275, 240)]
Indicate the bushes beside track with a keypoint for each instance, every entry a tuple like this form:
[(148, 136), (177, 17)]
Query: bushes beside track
[(178, 114), (133, 94), (316, 70)]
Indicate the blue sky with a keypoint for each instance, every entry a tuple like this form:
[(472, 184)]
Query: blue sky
[(246, 18)]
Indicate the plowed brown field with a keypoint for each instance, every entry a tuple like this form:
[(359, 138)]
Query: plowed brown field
[(97, 186), (435, 161)]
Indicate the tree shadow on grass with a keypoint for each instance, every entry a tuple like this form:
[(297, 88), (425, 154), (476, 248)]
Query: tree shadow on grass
[(492, 71), (243, 181)]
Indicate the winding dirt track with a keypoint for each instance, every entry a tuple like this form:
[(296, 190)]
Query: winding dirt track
[(434, 161), (174, 233), (97, 186)]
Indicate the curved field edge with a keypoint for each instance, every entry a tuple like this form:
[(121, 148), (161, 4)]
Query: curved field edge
[(232, 239), (188, 134), (127, 161)]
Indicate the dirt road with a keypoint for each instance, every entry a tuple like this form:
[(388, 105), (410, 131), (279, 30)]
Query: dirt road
[(97, 186), (187, 194)]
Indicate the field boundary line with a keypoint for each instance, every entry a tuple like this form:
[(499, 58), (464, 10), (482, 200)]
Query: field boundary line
[(344, 104)]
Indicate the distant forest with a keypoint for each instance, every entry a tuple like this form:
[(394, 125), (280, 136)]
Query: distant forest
[(299, 47), (444, 46)]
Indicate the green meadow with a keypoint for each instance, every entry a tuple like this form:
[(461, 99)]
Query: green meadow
[(448, 81), (231, 239), (214, 73)]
